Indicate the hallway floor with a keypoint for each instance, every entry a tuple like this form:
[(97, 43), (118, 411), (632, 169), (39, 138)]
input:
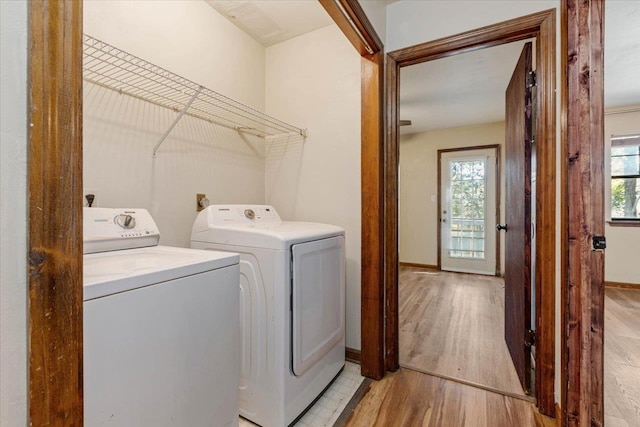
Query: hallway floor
[(452, 325), (409, 398)]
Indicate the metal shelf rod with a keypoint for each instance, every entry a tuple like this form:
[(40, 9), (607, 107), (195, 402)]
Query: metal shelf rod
[(107, 66), (176, 120)]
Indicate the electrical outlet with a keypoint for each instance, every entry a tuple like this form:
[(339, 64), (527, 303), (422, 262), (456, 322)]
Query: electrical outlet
[(85, 198)]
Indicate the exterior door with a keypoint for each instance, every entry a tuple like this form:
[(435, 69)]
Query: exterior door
[(518, 217), (468, 211)]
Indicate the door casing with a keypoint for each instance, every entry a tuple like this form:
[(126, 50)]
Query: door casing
[(542, 27), (583, 213)]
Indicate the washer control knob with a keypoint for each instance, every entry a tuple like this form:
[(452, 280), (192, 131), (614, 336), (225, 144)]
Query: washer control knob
[(125, 221), (249, 213)]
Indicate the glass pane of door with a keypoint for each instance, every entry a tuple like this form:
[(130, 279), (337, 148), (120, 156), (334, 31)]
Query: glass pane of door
[(468, 208)]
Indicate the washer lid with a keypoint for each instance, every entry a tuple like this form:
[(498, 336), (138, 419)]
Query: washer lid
[(108, 273), (269, 235)]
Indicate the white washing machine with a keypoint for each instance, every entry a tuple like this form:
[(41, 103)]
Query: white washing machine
[(160, 327), (292, 302)]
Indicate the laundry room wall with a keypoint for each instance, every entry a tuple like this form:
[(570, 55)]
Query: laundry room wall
[(13, 213), (314, 81), (194, 41), (623, 243), (418, 205)]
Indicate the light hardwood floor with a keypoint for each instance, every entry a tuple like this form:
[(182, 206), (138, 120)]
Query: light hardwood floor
[(622, 358), (453, 325), (410, 398)]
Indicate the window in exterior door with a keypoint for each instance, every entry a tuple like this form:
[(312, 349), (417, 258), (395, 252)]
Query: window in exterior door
[(468, 207), (625, 178)]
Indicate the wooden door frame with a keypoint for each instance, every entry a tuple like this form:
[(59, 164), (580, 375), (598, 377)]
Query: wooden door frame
[(582, 284), (55, 213), (541, 26), (495, 147)]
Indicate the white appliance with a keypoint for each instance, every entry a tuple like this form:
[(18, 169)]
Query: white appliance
[(160, 327), (292, 302)]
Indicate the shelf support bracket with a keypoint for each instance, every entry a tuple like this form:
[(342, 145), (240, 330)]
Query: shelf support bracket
[(176, 120)]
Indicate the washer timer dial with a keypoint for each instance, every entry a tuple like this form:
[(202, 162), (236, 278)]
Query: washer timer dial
[(125, 221)]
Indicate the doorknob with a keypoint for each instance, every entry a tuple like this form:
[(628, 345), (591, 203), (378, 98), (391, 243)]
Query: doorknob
[(501, 227)]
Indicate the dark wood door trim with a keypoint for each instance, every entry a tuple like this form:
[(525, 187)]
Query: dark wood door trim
[(365, 33), (372, 251), (495, 147), (542, 26), (372, 352), (55, 213), (391, 235), (582, 286)]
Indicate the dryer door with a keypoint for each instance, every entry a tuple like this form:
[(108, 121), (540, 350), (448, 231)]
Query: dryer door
[(318, 294)]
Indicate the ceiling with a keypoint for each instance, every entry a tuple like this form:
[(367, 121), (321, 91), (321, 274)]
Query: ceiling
[(271, 22), (460, 90)]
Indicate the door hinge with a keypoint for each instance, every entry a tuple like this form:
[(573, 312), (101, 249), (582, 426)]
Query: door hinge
[(531, 79), (530, 338), (599, 243)]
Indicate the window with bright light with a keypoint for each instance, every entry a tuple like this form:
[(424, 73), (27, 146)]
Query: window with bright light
[(468, 206), (625, 178)]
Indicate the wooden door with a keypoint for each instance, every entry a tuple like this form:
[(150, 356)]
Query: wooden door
[(518, 217)]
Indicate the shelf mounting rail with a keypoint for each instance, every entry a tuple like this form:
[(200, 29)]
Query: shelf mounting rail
[(107, 66)]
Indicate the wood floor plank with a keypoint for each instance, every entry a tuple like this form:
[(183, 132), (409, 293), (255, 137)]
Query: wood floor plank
[(453, 325), (622, 357), (615, 422), (409, 398)]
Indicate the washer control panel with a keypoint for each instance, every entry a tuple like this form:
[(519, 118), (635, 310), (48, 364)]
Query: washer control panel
[(107, 229)]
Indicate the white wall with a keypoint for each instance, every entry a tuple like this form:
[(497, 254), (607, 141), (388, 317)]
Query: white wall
[(314, 81), (623, 243), (193, 40), (418, 215), (13, 213)]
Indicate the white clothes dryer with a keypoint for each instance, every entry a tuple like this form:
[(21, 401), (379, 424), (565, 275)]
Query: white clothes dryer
[(292, 306), (160, 327)]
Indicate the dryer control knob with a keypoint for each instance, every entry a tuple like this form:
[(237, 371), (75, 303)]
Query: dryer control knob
[(249, 213), (125, 221)]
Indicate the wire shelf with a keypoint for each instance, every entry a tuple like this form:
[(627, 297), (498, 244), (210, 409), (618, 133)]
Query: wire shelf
[(110, 67)]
